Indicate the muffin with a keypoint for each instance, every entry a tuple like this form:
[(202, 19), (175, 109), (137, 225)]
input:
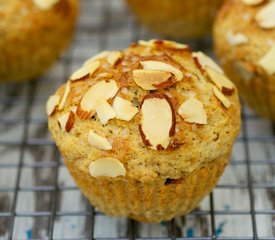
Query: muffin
[(33, 35), (244, 36), (176, 18), (146, 132)]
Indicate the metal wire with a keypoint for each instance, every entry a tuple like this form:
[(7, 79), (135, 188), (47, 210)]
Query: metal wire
[(26, 98)]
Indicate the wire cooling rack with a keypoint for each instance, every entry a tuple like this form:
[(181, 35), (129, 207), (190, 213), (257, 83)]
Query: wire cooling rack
[(38, 199)]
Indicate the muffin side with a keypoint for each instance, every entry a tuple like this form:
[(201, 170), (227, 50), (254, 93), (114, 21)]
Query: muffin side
[(240, 44), (32, 38)]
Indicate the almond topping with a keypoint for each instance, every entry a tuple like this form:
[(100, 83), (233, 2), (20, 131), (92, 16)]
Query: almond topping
[(52, 104), (65, 96), (204, 61), (107, 167), (86, 71), (192, 111), (114, 57), (221, 97), (169, 44), (236, 39), (266, 16), (221, 81), (124, 109), (252, 2), (100, 90), (104, 111), (267, 62), (45, 5), (151, 79), (66, 121), (98, 56), (156, 65), (157, 121), (100, 142)]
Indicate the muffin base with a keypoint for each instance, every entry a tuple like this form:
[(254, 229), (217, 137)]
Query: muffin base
[(149, 202)]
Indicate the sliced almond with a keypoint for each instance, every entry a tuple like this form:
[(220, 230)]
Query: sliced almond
[(52, 104), (267, 62), (114, 57), (236, 39), (104, 111), (221, 97), (98, 56), (252, 2), (65, 95), (45, 5), (157, 121), (202, 60), (169, 44), (100, 90), (107, 167), (157, 65), (86, 71), (124, 109), (66, 121), (73, 109), (152, 79), (98, 141), (192, 111), (266, 16), (220, 80)]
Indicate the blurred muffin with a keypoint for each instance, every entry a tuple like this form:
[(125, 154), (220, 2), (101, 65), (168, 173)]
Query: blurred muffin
[(146, 132), (176, 18), (33, 35), (244, 36)]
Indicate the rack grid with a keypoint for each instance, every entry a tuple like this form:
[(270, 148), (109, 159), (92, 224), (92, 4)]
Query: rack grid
[(38, 199)]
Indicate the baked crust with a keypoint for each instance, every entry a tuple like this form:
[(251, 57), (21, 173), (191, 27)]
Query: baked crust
[(32, 38), (241, 61)]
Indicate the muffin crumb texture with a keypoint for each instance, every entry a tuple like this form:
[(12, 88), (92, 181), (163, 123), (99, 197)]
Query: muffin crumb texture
[(142, 120), (244, 37)]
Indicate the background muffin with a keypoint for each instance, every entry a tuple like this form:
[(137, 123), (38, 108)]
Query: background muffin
[(33, 35), (176, 18), (244, 36), (146, 132)]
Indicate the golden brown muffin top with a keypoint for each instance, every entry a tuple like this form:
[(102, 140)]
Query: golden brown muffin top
[(26, 14), (247, 29), (154, 110)]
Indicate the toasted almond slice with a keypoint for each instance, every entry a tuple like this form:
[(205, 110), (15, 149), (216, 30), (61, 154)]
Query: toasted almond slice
[(124, 109), (158, 121), (266, 16), (236, 39), (221, 97), (267, 62), (104, 111), (98, 56), (100, 90), (85, 71), (169, 44), (157, 65), (98, 141), (73, 109), (52, 104), (252, 2), (192, 111), (220, 80), (152, 79), (204, 61), (114, 57), (107, 167), (65, 96), (45, 5), (66, 121)]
